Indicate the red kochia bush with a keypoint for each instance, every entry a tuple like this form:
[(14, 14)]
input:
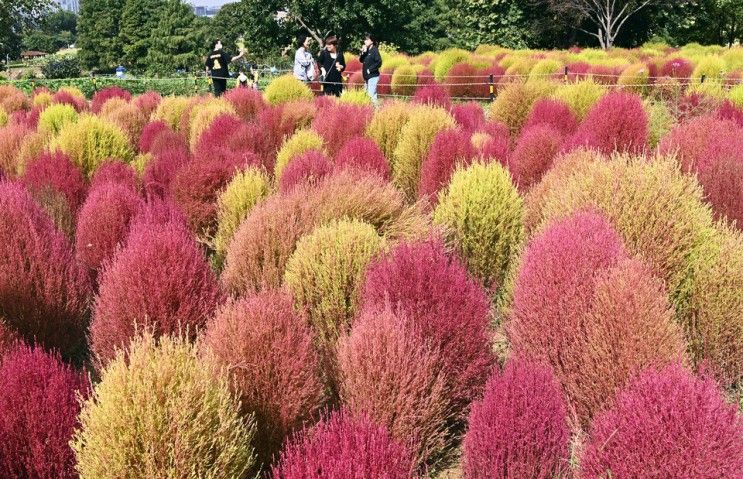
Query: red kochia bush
[(617, 122), (246, 101), (519, 428), (38, 414), (535, 151), (677, 68), (363, 154), (227, 133), (116, 172), (160, 280), (433, 94), (435, 293), (150, 133), (469, 116), (67, 98), (106, 94), (339, 123), (450, 148), (720, 172), (148, 102), (667, 423), (728, 111), (267, 348), (553, 113), (168, 140), (157, 212), (390, 373), (103, 223), (161, 170), (43, 293), (689, 140), (344, 447), (462, 81), (57, 172), (308, 167)]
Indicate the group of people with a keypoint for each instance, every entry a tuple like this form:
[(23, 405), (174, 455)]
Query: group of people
[(329, 66), (331, 63)]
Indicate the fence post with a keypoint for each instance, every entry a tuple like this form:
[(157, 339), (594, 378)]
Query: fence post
[(195, 85), (492, 87), (704, 77), (95, 84), (566, 74)]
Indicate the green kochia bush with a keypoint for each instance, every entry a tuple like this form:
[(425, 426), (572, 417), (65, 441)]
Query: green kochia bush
[(287, 88), (161, 412), (56, 116), (483, 211)]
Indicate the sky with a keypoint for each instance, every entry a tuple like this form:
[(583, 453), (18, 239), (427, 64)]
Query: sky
[(209, 3)]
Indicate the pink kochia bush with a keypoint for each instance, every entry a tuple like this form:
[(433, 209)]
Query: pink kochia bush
[(150, 133), (159, 173), (519, 428), (43, 293), (595, 315), (433, 94), (553, 113), (434, 292), (450, 149), (38, 414), (147, 102), (617, 122), (339, 123), (728, 111), (247, 102), (535, 151), (55, 171), (306, 168), (390, 373), (159, 281), (117, 172), (666, 423), (469, 116), (103, 223), (106, 94), (344, 447), (363, 154), (267, 348)]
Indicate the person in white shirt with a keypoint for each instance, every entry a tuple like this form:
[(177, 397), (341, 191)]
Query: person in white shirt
[(304, 63)]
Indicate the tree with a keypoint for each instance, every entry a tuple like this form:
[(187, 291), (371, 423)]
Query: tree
[(98, 33), (139, 18), (179, 41), (59, 21), (607, 16), (15, 16)]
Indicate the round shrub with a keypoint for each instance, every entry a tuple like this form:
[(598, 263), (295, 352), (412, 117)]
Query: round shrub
[(552, 113), (306, 168), (432, 95), (115, 172), (241, 194), (227, 132), (64, 97), (720, 172), (204, 115), (494, 142), (545, 68), (3, 118), (344, 447), (386, 125), (451, 149), (12, 137), (340, 123), (677, 68), (246, 102), (446, 60), (519, 428), (469, 116), (712, 67), (55, 117), (580, 96), (147, 102), (597, 317), (150, 133), (514, 103), (433, 293), (667, 423), (128, 430), (257, 256), (389, 373), (355, 96), (462, 81), (267, 348), (404, 80), (55, 171), (660, 121), (286, 88), (363, 154), (130, 119), (482, 211), (325, 272), (535, 151), (103, 224), (159, 172), (158, 280), (106, 94), (300, 142), (170, 110), (38, 414), (44, 295), (90, 141), (416, 138), (689, 140), (635, 79), (617, 122)]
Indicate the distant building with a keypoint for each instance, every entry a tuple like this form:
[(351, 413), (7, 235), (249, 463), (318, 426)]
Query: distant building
[(202, 11), (31, 54), (69, 5)]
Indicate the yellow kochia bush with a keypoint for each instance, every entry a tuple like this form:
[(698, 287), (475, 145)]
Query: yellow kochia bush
[(513, 103), (91, 140), (3, 118), (56, 116), (403, 80), (286, 88), (416, 138), (325, 272), (242, 193), (482, 212), (161, 412), (170, 110), (635, 78), (301, 142), (580, 96), (386, 125), (203, 115)]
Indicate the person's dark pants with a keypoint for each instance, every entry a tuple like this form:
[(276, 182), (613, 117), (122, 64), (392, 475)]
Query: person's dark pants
[(332, 89), (220, 86)]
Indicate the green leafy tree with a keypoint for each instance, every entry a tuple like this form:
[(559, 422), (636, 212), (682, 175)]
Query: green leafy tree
[(15, 16), (58, 21), (139, 18), (178, 42), (495, 22), (98, 33)]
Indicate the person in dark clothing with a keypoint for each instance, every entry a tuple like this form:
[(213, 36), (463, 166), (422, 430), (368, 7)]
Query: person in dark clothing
[(332, 63), (371, 63), (216, 67)]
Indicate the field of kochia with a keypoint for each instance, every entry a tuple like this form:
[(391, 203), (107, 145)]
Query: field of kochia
[(284, 285)]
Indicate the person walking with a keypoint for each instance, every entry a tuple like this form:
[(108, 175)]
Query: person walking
[(216, 67), (332, 63), (371, 62), (304, 64)]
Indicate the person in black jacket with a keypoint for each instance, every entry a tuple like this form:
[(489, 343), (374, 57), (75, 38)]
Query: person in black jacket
[(216, 67), (332, 63), (371, 63)]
